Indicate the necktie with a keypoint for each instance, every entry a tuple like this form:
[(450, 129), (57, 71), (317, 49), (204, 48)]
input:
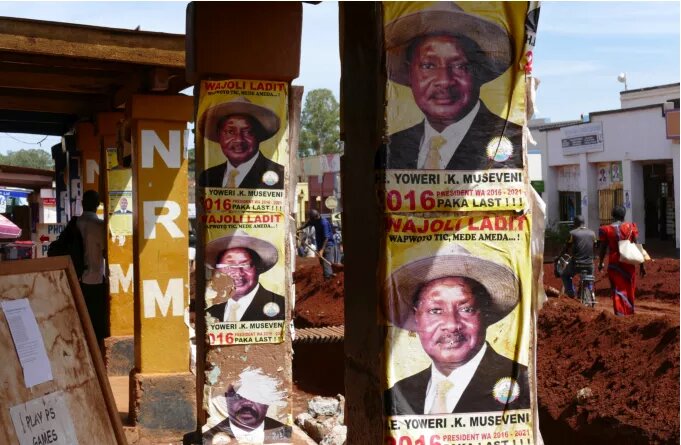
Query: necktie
[(233, 308), (231, 179), (433, 158), (440, 402)]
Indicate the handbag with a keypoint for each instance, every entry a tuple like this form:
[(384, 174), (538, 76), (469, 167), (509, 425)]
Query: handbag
[(629, 252), (643, 251)]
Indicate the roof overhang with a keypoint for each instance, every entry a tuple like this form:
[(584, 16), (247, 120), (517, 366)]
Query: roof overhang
[(54, 74)]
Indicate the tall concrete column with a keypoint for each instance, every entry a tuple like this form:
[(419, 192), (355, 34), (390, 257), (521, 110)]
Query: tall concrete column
[(588, 187), (550, 195), (632, 175), (162, 388), (274, 29), (119, 346), (90, 155), (677, 186), (363, 87)]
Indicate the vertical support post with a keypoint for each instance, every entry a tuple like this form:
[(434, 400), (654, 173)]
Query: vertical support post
[(90, 153), (119, 346), (253, 350), (362, 101), (632, 173), (162, 389)]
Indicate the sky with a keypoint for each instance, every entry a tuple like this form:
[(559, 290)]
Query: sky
[(581, 48)]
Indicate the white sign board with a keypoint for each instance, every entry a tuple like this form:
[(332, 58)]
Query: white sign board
[(584, 138), (45, 420), (45, 234)]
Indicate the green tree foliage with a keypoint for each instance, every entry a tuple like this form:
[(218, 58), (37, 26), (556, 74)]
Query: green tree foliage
[(320, 124), (32, 158)]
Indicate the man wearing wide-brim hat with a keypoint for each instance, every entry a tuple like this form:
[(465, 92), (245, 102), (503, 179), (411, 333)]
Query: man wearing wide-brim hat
[(239, 126), (449, 301), (445, 55), (243, 258)]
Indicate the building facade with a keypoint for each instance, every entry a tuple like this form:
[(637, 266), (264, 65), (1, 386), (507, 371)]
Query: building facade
[(628, 156)]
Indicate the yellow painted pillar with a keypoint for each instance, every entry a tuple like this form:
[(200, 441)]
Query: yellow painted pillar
[(119, 347), (161, 269), (88, 145)]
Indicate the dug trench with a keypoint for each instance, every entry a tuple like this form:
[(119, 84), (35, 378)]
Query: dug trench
[(625, 370)]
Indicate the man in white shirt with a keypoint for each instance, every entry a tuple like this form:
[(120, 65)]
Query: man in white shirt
[(247, 402), (445, 55), (243, 259), (239, 126), (449, 301), (93, 283)]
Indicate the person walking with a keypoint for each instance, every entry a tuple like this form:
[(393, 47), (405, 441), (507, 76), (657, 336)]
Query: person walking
[(580, 245), (324, 239), (92, 283), (622, 275)]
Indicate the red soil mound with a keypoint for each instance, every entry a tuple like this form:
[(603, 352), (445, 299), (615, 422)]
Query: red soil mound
[(661, 280), (631, 365), (319, 302)]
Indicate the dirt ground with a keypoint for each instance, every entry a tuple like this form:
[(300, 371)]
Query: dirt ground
[(630, 365)]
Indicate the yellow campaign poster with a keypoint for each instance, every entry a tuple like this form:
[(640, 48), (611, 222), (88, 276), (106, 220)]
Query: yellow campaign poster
[(243, 127), (457, 305), (245, 272), (120, 202), (455, 106)]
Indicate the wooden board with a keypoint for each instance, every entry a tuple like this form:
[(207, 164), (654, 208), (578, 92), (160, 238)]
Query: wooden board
[(54, 295)]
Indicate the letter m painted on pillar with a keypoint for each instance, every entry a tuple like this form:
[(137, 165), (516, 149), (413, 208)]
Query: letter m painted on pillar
[(152, 296), (172, 155), (119, 280)]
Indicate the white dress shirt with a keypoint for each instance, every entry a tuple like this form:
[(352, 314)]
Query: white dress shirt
[(453, 134), (93, 231), (460, 378), (243, 170), (243, 303), (256, 436)]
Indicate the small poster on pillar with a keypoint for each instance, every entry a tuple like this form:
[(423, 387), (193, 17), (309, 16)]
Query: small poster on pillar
[(245, 272), (251, 408), (120, 202), (243, 127), (457, 293), (455, 106)]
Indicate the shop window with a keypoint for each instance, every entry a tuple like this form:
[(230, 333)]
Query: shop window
[(570, 205)]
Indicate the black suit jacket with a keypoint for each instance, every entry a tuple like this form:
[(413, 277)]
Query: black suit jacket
[(254, 312), (213, 176), (408, 396), (402, 152), (275, 432)]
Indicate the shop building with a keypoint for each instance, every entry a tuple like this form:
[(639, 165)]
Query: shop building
[(628, 156)]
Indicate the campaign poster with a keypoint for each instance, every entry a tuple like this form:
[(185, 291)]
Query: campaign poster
[(248, 408), (242, 132), (455, 106), (457, 304), (120, 202), (245, 276), (243, 127)]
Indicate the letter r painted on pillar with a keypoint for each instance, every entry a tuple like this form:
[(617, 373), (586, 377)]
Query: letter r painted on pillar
[(167, 220), (91, 169), (174, 295), (172, 155)]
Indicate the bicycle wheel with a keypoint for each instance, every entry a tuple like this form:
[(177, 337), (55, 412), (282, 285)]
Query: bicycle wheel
[(588, 297)]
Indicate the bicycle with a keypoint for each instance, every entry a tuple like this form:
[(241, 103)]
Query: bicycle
[(585, 291)]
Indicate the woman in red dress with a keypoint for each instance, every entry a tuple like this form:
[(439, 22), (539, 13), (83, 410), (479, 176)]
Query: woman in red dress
[(622, 275)]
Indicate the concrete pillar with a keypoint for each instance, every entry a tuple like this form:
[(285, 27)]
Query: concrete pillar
[(274, 28), (677, 184), (362, 99), (162, 388), (588, 187), (550, 195), (632, 175), (119, 346), (90, 155)]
